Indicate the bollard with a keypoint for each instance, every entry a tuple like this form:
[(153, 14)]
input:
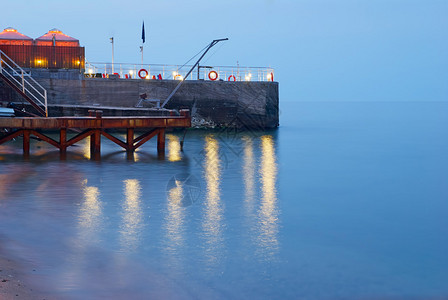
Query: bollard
[(184, 112)]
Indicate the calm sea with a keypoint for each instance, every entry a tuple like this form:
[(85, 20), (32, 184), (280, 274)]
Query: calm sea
[(344, 201)]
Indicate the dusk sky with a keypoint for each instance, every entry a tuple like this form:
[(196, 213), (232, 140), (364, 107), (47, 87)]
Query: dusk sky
[(322, 50)]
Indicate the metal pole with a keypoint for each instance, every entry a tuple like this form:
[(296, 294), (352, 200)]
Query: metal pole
[(23, 83), (141, 48), (112, 42), (214, 42), (46, 105)]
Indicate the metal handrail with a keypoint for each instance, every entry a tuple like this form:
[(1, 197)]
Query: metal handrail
[(28, 90), (130, 71)]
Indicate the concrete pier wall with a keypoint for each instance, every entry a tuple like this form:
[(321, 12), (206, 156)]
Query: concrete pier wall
[(213, 103)]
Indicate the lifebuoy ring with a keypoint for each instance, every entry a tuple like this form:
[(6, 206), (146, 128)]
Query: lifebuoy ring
[(231, 77), (213, 75), (140, 73)]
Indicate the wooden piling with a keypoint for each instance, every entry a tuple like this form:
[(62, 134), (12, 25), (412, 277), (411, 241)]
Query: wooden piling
[(161, 140), (26, 142), (130, 140)]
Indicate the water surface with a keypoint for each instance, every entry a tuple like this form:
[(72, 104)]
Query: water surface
[(344, 200)]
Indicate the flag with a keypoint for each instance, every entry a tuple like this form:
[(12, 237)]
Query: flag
[(143, 32)]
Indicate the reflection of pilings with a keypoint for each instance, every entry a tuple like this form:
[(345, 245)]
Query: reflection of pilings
[(268, 214), (131, 226), (173, 148), (212, 223)]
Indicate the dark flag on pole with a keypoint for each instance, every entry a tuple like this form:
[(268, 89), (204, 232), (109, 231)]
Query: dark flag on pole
[(143, 32)]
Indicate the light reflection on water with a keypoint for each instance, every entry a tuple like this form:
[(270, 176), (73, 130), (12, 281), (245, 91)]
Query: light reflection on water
[(131, 226), (90, 211), (249, 174), (175, 218), (174, 153), (86, 147), (268, 210), (281, 214), (213, 210)]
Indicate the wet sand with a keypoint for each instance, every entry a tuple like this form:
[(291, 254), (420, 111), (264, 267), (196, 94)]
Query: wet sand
[(14, 280), (11, 286)]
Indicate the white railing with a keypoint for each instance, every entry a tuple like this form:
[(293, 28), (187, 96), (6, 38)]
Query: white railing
[(177, 72), (22, 80)]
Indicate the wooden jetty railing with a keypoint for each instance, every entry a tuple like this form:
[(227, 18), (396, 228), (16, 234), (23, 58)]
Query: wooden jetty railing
[(94, 126)]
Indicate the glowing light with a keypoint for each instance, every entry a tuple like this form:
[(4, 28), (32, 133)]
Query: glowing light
[(268, 211), (86, 148), (91, 210), (131, 72), (213, 213), (39, 61), (132, 215), (269, 76), (175, 214), (249, 172), (212, 169), (174, 153), (90, 71)]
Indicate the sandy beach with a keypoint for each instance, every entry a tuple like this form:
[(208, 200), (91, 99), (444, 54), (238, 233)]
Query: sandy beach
[(11, 285), (14, 280)]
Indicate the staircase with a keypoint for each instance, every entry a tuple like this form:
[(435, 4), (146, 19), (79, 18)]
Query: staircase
[(22, 82)]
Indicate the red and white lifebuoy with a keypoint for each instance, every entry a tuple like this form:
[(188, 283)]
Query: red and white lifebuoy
[(213, 75), (231, 78), (142, 71)]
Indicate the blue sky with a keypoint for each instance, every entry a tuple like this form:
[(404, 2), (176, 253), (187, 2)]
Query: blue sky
[(322, 50)]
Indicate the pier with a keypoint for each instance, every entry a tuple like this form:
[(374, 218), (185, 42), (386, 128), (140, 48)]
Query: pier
[(93, 126)]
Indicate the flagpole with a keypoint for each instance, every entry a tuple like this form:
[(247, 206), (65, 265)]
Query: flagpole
[(112, 42), (143, 40)]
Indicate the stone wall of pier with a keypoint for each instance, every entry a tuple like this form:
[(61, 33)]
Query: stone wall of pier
[(213, 103)]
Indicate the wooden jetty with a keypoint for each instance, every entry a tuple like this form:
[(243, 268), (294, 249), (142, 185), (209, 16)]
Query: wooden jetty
[(95, 126)]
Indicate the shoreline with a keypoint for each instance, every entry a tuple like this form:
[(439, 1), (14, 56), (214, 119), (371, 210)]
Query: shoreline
[(11, 285), (14, 280)]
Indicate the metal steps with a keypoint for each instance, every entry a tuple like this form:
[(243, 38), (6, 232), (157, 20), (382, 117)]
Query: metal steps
[(15, 77)]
